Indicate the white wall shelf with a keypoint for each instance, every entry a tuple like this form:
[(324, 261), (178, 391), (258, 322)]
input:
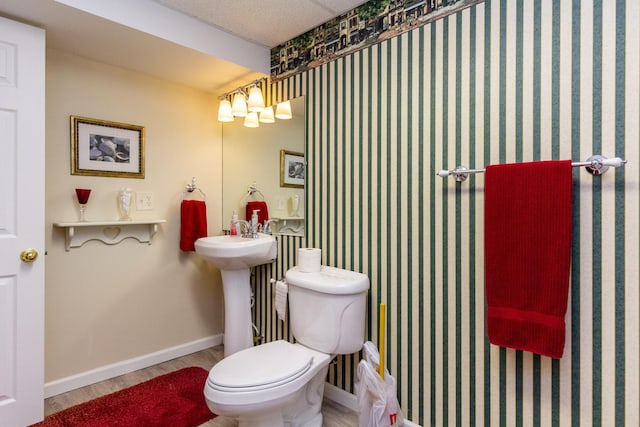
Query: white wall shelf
[(292, 225), (108, 232)]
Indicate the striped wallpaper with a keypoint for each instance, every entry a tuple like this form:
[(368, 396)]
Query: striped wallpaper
[(503, 81)]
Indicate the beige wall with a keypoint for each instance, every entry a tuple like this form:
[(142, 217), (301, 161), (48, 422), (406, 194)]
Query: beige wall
[(106, 304)]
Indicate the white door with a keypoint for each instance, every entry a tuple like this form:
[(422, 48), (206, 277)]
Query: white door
[(22, 120)]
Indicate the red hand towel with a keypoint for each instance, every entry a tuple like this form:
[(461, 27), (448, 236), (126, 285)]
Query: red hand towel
[(527, 254), (193, 223), (263, 215)]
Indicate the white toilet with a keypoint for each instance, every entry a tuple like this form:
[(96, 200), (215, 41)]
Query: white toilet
[(280, 383)]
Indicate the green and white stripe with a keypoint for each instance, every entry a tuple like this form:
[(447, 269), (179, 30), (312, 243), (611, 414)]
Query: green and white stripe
[(503, 81)]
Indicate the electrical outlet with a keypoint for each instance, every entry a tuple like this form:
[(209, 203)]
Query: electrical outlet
[(144, 201)]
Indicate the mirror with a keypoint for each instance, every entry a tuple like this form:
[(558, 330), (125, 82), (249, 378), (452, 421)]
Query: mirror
[(253, 155)]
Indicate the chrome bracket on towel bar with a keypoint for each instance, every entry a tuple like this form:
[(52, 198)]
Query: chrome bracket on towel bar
[(595, 165)]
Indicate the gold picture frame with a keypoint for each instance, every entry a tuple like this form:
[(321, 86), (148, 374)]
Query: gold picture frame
[(105, 148), (292, 169)]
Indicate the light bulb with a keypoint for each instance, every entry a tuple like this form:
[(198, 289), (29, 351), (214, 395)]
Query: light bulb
[(239, 106), (224, 111), (266, 116), (256, 101), (283, 110), (251, 120)]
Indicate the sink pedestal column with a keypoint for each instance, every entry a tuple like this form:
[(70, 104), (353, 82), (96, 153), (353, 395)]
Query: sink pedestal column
[(238, 335)]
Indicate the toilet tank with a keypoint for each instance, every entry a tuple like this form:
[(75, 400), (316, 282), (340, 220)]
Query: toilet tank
[(327, 309)]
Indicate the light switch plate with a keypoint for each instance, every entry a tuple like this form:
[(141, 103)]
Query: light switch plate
[(144, 201)]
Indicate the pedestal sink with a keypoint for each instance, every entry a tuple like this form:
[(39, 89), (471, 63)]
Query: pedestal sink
[(234, 256)]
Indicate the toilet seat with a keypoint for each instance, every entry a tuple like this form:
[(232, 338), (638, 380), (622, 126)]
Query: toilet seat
[(258, 368)]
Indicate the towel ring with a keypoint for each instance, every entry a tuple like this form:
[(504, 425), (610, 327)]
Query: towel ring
[(190, 188), (253, 189)]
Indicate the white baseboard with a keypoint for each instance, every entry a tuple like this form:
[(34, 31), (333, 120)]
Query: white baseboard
[(110, 371), (349, 400), (338, 395)]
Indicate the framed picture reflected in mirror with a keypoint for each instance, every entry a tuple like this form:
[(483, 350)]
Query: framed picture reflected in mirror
[(292, 166)]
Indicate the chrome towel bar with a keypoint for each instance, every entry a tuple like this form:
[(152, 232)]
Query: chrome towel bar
[(595, 165)]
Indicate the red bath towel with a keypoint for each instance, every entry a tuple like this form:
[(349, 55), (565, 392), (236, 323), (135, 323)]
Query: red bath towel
[(527, 254), (193, 223), (263, 215)]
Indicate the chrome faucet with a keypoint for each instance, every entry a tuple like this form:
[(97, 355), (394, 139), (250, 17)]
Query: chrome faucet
[(255, 229), (249, 230), (267, 226), (245, 227)]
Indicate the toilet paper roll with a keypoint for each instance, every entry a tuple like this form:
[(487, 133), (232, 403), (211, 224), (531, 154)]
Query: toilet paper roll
[(309, 260), (281, 299)]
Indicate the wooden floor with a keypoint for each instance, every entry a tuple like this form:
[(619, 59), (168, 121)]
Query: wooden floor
[(333, 413)]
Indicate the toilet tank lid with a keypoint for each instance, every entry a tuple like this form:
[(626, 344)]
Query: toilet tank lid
[(329, 280)]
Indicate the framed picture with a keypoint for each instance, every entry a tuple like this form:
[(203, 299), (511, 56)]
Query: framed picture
[(291, 169), (103, 148)]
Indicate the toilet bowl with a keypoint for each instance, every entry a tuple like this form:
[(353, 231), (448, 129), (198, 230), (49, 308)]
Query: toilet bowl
[(269, 385), (280, 383)]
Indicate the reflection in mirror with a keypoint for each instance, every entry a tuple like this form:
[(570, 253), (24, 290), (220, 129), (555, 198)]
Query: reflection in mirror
[(253, 156)]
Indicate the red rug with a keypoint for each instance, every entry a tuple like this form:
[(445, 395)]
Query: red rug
[(172, 400)]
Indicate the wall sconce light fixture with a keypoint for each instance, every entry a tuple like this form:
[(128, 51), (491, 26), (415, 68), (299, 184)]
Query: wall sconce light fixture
[(248, 102)]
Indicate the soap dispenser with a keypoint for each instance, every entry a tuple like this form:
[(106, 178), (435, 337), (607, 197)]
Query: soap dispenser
[(234, 224), (254, 219)]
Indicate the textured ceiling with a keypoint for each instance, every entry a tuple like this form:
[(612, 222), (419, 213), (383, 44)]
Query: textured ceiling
[(267, 22)]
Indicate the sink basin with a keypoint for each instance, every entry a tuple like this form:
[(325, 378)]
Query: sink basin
[(235, 253), (234, 256)]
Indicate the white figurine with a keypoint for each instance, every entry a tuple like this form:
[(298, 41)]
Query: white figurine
[(124, 203)]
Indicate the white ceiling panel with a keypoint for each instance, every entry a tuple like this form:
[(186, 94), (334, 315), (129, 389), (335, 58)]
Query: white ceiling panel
[(268, 23), (75, 26)]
